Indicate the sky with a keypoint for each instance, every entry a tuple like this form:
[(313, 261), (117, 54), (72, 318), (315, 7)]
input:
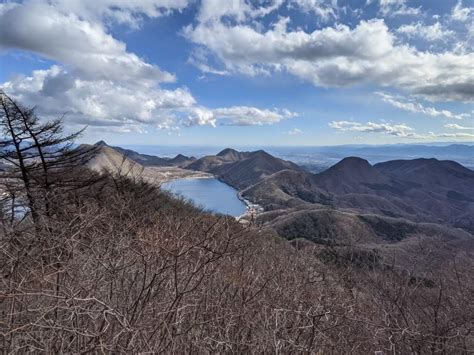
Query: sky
[(244, 72)]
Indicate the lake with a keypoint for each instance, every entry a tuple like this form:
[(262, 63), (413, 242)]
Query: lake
[(210, 194)]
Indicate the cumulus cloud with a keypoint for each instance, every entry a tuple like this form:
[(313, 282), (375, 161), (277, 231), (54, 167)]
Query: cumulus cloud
[(66, 38), (97, 102), (337, 56), (435, 32), (104, 103), (416, 107), (97, 81)]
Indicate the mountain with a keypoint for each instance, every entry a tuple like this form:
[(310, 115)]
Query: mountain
[(212, 162), (180, 160), (350, 175), (431, 173), (286, 188), (117, 160), (338, 227), (142, 159), (318, 159), (419, 190), (111, 160), (422, 190), (252, 168), (230, 154), (462, 153), (242, 169), (151, 160)]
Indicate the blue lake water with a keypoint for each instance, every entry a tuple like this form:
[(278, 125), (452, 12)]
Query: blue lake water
[(210, 194)]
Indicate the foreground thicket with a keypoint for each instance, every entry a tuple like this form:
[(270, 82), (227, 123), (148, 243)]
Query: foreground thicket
[(130, 269), (119, 266)]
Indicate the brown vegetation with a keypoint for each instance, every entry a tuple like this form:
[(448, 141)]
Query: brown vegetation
[(121, 267)]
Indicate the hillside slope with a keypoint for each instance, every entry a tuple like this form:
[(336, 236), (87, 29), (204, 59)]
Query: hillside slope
[(425, 190), (150, 160), (242, 169), (108, 158), (113, 160)]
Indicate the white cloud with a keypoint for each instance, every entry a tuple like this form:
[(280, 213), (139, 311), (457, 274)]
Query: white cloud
[(397, 8), (337, 56), (246, 116), (416, 107), (324, 9), (433, 32), (294, 132), (468, 136), (240, 10), (460, 13), (98, 81), (130, 13), (458, 127), (199, 59), (105, 103), (96, 102), (83, 45), (398, 130)]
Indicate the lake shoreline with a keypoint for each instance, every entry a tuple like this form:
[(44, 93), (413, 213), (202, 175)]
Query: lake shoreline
[(251, 209), (210, 194)]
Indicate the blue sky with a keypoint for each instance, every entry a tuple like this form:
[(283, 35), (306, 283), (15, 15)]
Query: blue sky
[(241, 72)]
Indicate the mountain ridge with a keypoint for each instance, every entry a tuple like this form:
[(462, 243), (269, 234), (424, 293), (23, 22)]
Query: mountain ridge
[(433, 191), (179, 160), (242, 169)]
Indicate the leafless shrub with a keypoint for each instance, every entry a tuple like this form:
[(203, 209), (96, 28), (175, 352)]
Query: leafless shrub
[(121, 267)]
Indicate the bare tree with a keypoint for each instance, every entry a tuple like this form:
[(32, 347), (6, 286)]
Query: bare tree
[(36, 154), (121, 267)]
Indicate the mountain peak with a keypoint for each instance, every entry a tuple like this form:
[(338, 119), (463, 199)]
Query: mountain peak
[(261, 152), (227, 151), (430, 167), (349, 175), (101, 143), (352, 168), (353, 162)]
